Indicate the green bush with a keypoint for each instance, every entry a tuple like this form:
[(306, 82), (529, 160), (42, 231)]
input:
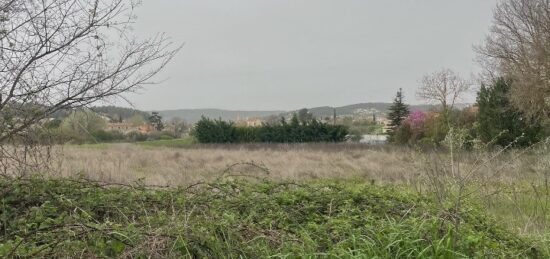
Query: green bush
[(502, 124), (238, 219), (218, 131), (136, 136), (215, 131), (108, 136)]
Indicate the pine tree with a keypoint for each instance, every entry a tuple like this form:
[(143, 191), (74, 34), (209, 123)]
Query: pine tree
[(398, 112), (156, 120), (499, 122)]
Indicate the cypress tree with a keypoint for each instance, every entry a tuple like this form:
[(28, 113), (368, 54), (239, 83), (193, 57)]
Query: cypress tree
[(398, 112)]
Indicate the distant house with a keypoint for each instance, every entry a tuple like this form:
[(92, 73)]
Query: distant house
[(374, 139), (122, 127), (125, 127), (254, 122), (474, 109), (146, 128), (387, 125)]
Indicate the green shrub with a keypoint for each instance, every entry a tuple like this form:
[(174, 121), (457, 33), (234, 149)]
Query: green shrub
[(108, 136), (215, 131), (136, 136), (218, 131), (238, 219), (500, 123)]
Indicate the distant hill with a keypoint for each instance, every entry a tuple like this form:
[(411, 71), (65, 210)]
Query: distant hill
[(194, 115), (378, 108), (115, 112)]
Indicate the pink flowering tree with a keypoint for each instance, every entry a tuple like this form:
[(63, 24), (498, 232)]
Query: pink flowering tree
[(416, 122), (416, 119)]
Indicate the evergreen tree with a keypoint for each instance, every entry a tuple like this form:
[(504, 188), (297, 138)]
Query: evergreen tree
[(304, 116), (218, 131), (398, 112), (499, 122), (156, 120)]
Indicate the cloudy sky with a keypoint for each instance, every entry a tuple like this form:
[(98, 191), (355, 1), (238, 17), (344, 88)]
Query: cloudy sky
[(288, 54)]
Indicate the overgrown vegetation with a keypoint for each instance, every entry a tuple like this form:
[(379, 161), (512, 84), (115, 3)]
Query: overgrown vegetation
[(234, 218), (499, 122), (492, 122)]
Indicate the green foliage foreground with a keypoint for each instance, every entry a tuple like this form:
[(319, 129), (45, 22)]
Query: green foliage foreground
[(232, 219)]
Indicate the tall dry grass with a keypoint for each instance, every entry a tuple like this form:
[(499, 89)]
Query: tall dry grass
[(127, 163)]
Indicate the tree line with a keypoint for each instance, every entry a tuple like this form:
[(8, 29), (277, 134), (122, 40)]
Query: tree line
[(297, 130), (513, 102), (492, 121)]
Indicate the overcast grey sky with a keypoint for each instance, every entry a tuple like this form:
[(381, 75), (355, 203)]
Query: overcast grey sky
[(288, 54)]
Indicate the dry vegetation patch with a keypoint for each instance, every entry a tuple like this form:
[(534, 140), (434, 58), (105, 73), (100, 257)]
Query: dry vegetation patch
[(127, 163)]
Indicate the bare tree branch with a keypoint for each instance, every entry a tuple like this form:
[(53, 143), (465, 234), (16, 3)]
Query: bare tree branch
[(518, 47), (64, 54), (444, 87)]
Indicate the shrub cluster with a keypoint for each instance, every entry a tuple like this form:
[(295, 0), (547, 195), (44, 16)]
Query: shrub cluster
[(62, 136), (218, 131), (492, 122)]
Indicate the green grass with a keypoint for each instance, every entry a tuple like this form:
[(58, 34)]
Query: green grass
[(174, 143), (243, 219), (91, 146), (522, 207)]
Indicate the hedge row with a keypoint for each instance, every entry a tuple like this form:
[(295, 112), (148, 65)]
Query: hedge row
[(218, 131)]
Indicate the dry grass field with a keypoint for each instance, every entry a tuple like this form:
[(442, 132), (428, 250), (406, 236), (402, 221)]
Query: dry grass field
[(126, 163)]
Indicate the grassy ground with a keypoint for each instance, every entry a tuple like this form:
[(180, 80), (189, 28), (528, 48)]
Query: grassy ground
[(512, 187), (174, 143), (233, 218)]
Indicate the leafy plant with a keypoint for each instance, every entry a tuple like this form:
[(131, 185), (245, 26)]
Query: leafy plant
[(233, 218)]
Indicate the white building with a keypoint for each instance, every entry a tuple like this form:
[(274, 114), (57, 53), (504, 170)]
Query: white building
[(374, 139)]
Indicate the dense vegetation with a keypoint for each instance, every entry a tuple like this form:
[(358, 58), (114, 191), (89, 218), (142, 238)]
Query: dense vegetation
[(297, 131), (88, 126), (500, 122), (116, 113), (493, 122), (229, 218)]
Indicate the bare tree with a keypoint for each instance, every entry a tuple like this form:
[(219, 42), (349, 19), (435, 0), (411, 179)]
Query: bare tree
[(518, 47), (444, 87), (63, 54)]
